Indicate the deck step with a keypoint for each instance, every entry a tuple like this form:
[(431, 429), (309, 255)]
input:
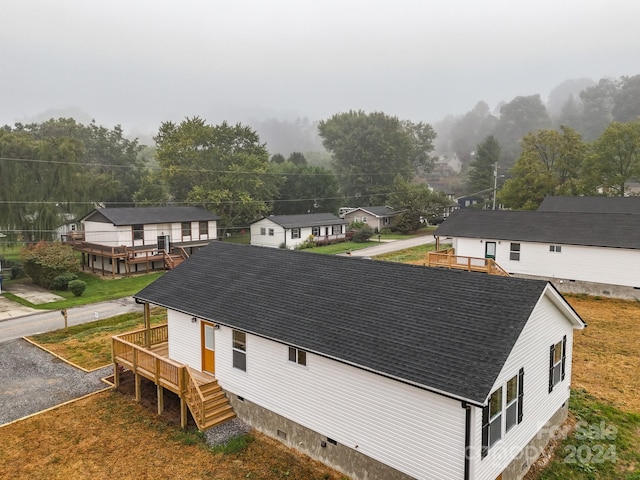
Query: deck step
[(218, 420)]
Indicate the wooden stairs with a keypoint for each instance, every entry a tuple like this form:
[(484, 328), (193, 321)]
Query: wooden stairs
[(207, 401)]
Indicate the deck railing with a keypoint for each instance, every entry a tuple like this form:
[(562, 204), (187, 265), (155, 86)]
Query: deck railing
[(460, 262)]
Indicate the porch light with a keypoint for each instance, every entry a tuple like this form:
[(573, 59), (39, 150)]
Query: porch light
[(194, 319)]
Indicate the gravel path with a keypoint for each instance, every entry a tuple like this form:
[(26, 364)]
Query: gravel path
[(32, 380)]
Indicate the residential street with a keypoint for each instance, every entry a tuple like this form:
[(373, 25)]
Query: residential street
[(12, 327), (386, 247)]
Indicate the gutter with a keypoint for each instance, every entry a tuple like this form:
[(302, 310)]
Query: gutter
[(467, 439)]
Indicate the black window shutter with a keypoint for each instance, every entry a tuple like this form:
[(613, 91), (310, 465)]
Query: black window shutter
[(485, 431), (520, 393), (552, 352), (564, 353)]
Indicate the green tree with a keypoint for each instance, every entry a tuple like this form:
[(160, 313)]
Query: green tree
[(297, 158), (223, 168), (616, 158), (518, 118), (469, 131), (418, 202), (278, 158), (482, 169), (597, 107), (550, 164), (43, 262), (626, 102), (305, 189), (370, 149)]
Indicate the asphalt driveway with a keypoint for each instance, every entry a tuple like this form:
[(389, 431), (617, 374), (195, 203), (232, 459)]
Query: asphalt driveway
[(32, 380)]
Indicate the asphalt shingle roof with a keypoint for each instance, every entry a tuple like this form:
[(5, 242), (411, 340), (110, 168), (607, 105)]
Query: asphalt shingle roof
[(306, 220), (616, 230), (382, 211), (591, 204), (443, 330), (150, 215)]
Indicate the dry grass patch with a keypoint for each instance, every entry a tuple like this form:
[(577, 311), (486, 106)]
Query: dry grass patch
[(606, 357), (108, 436), (89, 345)]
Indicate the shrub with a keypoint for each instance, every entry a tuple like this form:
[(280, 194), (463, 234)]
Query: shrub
[(362, 234), (385, 231), (61, 282), (43, 262), (77, 287)]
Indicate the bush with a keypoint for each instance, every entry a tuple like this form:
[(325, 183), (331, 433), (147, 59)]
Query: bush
[(385, 231), (77, 287), (43, 262), (61, 282), (362, 234)]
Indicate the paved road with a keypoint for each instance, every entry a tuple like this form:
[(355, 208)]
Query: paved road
[(387, 247), (18, 327)]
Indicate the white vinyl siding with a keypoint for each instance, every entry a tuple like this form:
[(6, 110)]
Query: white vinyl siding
[(414, 431), (292, 237), (530, 352), (615, 266), (185, 343)]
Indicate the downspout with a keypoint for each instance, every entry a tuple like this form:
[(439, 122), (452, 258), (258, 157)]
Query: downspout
[(467, 439)]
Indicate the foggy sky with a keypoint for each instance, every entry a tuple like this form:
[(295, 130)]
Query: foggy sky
[(140, 62)]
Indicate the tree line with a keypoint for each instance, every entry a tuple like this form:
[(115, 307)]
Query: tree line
[(61, 169)]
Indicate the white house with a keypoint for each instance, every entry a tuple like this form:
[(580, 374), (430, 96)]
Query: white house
[(120, 240), (594, 253), (289, 231), (457, 375), (376, 217)]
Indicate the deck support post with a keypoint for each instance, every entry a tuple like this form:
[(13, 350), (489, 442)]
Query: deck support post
[(116, 375), (160, 399), (147, 325), (183, 412), (137, 383)]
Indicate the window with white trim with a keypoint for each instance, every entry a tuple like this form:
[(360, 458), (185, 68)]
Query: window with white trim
[(504, 403), (186, 229), (315, 231), (240, 350), (557, 361), (271, 232), (514, 252), (263, 231), (297, 356), (138, 232), (295, 233), (203, 228), (555, 248)]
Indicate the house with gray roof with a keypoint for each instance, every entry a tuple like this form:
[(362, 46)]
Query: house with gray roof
[(131, 239), (376, 217), (581, 252), (290, 231), (458, 375), (602, 205)]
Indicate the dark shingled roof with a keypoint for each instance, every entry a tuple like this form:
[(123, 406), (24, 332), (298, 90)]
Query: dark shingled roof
[(306, 220), (446, 331), (617, 230), (150, 215), (591, 204)]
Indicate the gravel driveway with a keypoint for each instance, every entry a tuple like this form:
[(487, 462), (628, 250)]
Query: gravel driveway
[(32, 380)]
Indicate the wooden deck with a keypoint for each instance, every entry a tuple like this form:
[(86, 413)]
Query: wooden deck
[(447, 259), (146, 354)]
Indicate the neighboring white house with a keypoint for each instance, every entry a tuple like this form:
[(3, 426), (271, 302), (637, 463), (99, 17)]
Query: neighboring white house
[(289, 231), (139, 236), (376, 217), (457, 375), (597, 253)]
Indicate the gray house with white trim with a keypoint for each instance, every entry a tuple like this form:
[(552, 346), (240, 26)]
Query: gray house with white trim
[(377, 217), (458, 375)]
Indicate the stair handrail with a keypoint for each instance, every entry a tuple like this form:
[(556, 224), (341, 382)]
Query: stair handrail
[(195, 399)]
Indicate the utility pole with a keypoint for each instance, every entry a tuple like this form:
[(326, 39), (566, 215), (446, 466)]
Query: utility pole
[(495, 183)]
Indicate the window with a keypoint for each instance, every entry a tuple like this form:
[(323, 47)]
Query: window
[(315, 231), (240, 350), (555, 248), (263, 231), (363, 219), (557, 360), (138, 232), (515, 392), (505, 402), (297, 356), (295, 233), (336, 229), (514, 252), (186, 229), (203, 228), (271, 232)]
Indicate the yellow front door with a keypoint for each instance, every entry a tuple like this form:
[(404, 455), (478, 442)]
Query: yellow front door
[(208, 347)]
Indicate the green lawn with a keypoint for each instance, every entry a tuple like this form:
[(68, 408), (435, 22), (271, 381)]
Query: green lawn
[(98, 290)]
